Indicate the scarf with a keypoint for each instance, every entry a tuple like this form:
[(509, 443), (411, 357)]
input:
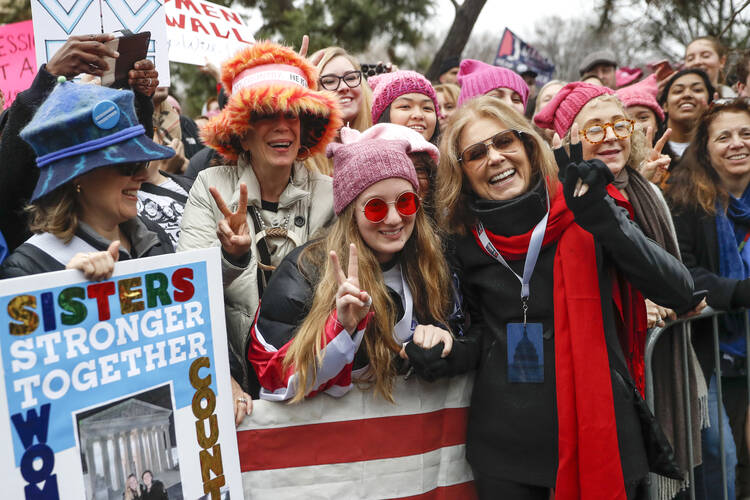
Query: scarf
[(589, 458), (652, 216)]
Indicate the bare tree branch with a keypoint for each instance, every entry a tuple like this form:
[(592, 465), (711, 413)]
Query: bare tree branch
[(734, 16), (455, 5)]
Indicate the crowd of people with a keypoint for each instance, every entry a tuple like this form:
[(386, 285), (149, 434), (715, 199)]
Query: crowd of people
[(374, 225)]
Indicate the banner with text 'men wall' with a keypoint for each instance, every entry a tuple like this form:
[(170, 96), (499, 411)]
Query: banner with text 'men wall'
[(101, 381)]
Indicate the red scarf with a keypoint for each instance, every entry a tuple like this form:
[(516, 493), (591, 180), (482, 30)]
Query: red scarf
[(589, 457)]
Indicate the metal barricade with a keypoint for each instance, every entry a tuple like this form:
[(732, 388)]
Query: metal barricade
[(683, 325)]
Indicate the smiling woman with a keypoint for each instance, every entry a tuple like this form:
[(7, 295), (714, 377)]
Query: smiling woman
[(265, 202)]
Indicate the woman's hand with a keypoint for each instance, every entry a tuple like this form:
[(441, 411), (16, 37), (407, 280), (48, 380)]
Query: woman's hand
[(232, 230), (352, 304), (96, 266), (581, 177), (143, 77), (657, 314), (243, 403), (656, 163), (82, 54), (428, 336)]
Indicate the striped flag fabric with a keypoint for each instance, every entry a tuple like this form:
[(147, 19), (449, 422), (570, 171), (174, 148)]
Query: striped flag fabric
[(361, 446)]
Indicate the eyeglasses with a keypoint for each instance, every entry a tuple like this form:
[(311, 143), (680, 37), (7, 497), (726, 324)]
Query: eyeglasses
[(376, 209), (596, 134), (332, 82), (507, 141), (130, 169)]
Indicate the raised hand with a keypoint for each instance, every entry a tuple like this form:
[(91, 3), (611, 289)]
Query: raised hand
[(82, 54), (96, 266), (656, 163), (233, 231), (143, 77), (352, 304)]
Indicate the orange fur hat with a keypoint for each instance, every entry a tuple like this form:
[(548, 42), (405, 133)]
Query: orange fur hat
[(265, 79)]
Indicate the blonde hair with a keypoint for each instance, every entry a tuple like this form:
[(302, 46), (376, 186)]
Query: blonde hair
[(453, 189), (538, 104), (451, 90), (425, 271), (362, 122), (56, 213)]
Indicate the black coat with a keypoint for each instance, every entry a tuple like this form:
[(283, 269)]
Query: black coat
[(158, 492), (512, 428)]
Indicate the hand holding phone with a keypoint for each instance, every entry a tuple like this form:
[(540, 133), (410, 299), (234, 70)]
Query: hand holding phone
[(132, 48)]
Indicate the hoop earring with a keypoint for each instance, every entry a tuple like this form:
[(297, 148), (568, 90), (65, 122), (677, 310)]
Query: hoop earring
[(303, 154)]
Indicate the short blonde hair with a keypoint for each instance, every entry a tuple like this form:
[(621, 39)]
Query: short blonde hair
[(56, 213), (453, 189)]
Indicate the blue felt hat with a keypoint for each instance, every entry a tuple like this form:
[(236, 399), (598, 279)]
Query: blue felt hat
[(80, 127)]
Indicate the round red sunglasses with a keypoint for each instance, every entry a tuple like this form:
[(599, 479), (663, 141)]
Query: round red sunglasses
[(376, 209)]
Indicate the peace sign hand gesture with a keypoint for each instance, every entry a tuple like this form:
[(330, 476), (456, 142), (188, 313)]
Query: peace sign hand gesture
[(232, 230), (352, 304), (656, 164)]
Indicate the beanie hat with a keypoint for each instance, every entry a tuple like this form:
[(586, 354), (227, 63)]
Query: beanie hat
[(477, 78), (264, 79), (625, 76), (359, 165), (81, 127), (393, 132), (597, 57), (561, 111), (637, 97), (449, 64), (387, 87)]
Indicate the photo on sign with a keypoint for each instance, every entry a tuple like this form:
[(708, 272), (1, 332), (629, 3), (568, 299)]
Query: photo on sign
[(127, 437)]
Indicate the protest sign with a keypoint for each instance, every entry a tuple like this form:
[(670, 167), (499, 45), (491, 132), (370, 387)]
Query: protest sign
[(201, 31), (17, 62), (54, 22), (513, 53), (103, 380), (360, 445)]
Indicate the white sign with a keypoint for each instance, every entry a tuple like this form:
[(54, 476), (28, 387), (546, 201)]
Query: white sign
[(201, 31), (56, 20)]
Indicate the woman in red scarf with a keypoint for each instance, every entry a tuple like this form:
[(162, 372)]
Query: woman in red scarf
[(554, 403)]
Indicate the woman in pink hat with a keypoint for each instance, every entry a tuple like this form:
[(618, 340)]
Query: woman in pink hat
[(406, 98), (322, 328), (477, 78)]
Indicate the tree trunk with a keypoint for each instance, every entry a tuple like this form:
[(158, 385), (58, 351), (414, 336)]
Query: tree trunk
[(466, 15)]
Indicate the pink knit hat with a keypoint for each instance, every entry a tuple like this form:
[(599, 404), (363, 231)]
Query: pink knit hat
[(359, 165), (388, 87), (561, 111), (392, 132), (634, 96), (477, 78)]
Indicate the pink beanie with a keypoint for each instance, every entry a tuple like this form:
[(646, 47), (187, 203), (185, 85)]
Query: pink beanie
[(561, 111), (633, 96), (388, 87), (359, 165), (477, 78), (392, 132)]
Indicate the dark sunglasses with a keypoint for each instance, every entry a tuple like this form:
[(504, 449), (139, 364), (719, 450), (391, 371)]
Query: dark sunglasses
[(376, 209), (506, 141), (130, 169)]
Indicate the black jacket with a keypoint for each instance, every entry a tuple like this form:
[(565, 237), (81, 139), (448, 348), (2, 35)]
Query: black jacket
[(512, 428)]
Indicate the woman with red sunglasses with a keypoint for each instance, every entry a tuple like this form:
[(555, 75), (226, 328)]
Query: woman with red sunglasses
[(321, 329), (551, 273)]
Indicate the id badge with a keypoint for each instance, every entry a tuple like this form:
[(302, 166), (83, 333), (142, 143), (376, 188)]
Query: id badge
[(525, 353)]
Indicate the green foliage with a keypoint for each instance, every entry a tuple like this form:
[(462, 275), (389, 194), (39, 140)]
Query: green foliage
[(13, 11), (191, 87)]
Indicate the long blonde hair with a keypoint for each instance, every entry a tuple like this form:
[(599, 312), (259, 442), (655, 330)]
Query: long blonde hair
[(453, 189), (56, 213), (362, 122), (425, 270)]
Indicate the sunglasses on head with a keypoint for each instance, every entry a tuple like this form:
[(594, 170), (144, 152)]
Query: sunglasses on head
[(130, 169), (506, 141), (376, 209)]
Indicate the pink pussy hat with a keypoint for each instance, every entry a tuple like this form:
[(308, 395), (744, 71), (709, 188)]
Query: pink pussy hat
[(561, 111), (392, 132), (477, 78), (635, 96), (388, 87)]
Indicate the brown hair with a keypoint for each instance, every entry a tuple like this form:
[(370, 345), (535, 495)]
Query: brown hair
[(425, 271), (453, 189), (56, 213), (720, 49), (695, 182)]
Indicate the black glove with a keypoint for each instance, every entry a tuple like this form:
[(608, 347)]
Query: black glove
[(741, 294), (427, 363), (594, 173)]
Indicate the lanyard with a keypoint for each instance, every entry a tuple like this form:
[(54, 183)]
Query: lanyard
[(535, 245)]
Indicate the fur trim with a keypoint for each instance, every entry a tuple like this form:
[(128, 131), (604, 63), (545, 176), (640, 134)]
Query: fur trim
[(320, 117), (261, 53)]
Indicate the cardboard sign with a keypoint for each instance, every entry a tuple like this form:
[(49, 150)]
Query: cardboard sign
[(513, 53), (101, 381), (17, 61), (56, 20), (201, 31)]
